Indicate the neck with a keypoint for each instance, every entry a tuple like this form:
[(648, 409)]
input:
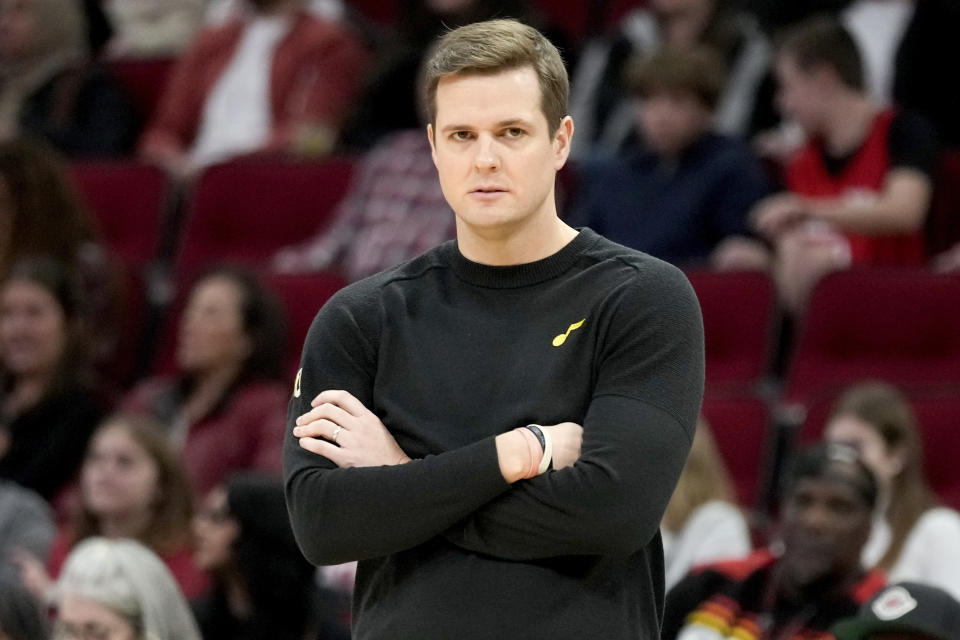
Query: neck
[(238, 598), (125, 525), (684, 28), (209, 386), (849, 123), (27, 392), (536, 239)]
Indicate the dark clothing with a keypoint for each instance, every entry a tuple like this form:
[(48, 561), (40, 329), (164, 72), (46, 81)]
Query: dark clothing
[(737, 599), (449, 353), (911, 144), (48, 442), (83, 113), (928, 47), (678, 212)]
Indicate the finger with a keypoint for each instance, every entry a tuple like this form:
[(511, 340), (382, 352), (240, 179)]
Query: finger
[(318, 428), (343, 399), (325, 411), (328, 450)]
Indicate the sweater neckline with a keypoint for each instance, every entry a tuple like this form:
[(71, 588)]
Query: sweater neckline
[(521, 275)]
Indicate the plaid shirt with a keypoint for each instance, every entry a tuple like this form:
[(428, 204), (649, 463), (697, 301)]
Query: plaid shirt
[(393, 211)]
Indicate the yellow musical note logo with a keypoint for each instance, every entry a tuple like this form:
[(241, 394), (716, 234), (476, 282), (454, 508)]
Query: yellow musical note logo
[(560, 339), (296, 384)]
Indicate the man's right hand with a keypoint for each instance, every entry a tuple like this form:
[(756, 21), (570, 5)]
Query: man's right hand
[(567, 439)]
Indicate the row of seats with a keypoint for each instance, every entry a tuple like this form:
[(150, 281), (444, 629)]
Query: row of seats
[(898, 325)]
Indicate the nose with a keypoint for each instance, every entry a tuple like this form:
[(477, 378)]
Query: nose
[(486, 159)]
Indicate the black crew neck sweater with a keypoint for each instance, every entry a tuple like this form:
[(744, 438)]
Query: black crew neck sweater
[(450, 353)]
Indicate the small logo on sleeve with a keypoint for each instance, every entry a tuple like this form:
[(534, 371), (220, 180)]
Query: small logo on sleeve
[(296, 384), (560, 339)]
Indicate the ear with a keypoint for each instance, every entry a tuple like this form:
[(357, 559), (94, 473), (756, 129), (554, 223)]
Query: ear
[(433, 145), (561, 142)]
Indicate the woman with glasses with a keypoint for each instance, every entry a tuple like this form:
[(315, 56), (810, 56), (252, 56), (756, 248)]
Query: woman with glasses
[(120, 590)]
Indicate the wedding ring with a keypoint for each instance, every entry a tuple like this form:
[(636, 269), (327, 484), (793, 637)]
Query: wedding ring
[(336, 432)]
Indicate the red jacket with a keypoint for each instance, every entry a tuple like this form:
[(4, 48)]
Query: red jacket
[(244, 432), (316, 70), (867, 170)]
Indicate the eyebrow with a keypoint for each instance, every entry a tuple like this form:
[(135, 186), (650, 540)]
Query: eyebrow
[(499, 125)]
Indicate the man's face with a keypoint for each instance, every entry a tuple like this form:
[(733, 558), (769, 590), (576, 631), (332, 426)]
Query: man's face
[(801, 93), (494, 151), (825, 525), (672, 121)]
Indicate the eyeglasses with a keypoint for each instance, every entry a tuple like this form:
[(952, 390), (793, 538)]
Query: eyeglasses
[(89, 631)]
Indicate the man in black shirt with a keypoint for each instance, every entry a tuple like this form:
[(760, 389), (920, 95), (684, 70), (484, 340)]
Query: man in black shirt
[(409, 448)]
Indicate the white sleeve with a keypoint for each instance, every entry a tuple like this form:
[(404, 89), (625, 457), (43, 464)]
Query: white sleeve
[(931, 554)]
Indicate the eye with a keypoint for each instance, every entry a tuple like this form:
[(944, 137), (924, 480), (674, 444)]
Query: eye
[(461, 136), (514, 132)]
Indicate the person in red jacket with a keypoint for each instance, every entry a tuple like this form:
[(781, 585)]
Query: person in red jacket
[(275, 78), (224, 408), (858, 190)]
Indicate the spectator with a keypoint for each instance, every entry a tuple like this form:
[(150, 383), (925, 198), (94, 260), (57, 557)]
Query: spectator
[(389, 99), (152, 28), (600, 101), (120, 589), (688, 191), (21, 617), (393, 211), (49, 406), (263, 587), (225, 409), (913, 537), (274, 79), (815, 581), (702, 523), (132, 485), (41, 210), (50, 89), (904, 611), (859, 191)]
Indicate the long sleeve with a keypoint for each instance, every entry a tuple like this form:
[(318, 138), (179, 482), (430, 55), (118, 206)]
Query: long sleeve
[(353, 514), (636, 437)]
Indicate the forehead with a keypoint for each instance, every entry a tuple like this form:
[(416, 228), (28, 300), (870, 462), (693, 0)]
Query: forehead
[(836, 484), (480, 99)]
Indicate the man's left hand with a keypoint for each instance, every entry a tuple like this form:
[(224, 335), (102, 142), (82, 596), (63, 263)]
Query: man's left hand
[(348, 434)]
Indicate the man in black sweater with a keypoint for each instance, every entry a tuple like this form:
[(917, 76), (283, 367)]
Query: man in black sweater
[(408, 447)]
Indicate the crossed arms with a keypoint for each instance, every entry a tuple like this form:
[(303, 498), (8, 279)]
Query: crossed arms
[(362, 497)]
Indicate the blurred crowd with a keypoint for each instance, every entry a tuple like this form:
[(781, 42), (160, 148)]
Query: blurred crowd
[(792, 138)]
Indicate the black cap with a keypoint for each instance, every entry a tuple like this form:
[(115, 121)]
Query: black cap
[(906, 607)]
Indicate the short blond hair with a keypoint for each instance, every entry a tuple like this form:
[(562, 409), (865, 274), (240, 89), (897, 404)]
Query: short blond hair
[(500, 45)]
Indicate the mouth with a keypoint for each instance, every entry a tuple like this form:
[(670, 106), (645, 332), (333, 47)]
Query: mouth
[(487, 190)]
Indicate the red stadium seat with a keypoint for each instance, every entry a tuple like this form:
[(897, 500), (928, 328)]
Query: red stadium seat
[(243, 212), (738, 314), (943, 223), (938, 417), (144, 80), (897, 325), (740, 426), (129, 201), (302, 296)]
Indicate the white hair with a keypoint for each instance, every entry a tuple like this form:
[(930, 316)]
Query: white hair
[(130, 579)]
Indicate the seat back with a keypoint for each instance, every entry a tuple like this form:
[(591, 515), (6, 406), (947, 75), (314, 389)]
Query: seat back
[(243, 212), (738, 315), (896, 325)]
